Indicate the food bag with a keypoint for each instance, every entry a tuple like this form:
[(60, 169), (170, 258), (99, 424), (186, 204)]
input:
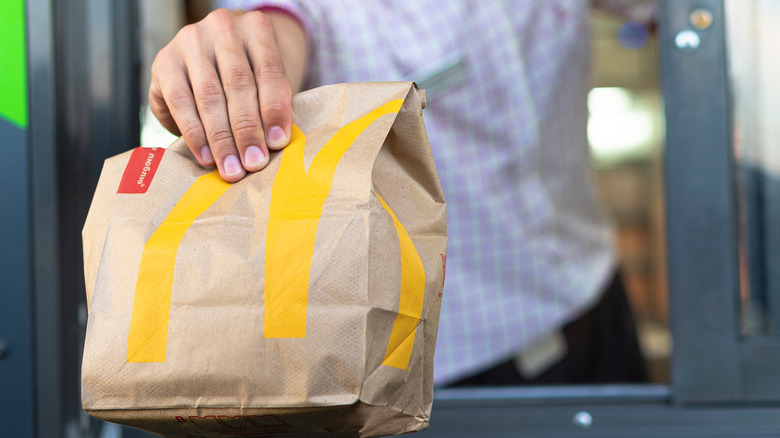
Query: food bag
[(302, 300)]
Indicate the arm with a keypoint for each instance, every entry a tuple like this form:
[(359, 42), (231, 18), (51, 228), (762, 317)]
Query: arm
[(225, 84)]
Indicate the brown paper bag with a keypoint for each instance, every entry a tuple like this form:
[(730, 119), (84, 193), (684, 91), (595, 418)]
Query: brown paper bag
[(302, 300)]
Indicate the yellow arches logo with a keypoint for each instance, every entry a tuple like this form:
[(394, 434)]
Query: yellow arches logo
[(297, 199), (148, 336)]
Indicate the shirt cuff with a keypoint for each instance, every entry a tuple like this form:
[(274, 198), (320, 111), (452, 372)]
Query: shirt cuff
[(290, 12)]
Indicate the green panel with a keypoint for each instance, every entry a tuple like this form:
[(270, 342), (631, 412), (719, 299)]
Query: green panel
[(13, 56)]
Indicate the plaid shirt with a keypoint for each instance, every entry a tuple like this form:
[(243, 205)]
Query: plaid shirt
[(529, 246)]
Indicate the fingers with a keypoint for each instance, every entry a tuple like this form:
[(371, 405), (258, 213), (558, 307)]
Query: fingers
[(172, 102), (274, 91), (241, 93), (211, 103), (160, 109), (218, 84)]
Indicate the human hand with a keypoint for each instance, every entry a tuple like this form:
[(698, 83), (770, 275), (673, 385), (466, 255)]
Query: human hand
[(221, 84)]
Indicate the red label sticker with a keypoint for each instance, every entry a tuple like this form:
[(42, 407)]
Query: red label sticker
[(140, 170)]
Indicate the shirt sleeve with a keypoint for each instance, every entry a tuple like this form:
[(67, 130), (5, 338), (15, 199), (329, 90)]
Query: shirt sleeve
[(289, 7)]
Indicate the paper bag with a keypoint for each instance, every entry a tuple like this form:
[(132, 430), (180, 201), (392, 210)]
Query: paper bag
[(301, 301)]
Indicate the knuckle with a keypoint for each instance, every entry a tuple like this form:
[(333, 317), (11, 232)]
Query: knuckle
[(220, 138), (154, 90), (271, 68), (190, 129), (158, 110), (245, 125), (188, 34), (221, 22), (273, 106), (259, 20), (161, 56), (179, 99), (165, 61), (210, 93), (219, 16), (239, 80)]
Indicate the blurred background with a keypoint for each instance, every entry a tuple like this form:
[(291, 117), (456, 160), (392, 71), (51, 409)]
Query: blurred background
[(81, 97), (625, 131)]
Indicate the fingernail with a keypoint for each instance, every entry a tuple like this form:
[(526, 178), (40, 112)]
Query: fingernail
[(276, 137), (232, 166), (254, 156), (205, 155)]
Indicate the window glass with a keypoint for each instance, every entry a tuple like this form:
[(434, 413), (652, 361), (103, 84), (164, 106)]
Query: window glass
[(753, 42)]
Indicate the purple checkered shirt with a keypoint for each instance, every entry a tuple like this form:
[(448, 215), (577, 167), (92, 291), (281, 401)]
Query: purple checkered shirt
[(529, 246)]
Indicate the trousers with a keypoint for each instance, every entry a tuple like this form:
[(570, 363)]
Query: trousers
[(602, 347)]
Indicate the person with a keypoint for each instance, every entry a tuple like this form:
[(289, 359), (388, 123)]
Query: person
[(532, 291)]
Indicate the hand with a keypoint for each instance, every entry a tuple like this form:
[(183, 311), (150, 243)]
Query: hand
[(222, 85)]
